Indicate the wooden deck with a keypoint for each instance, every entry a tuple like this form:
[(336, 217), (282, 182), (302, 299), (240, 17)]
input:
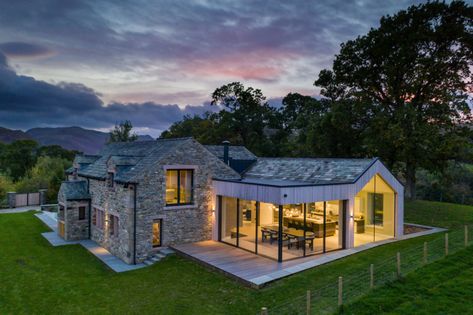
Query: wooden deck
[(251, 269), (255, 270)]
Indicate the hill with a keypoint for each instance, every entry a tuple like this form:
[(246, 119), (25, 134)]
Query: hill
[(71, 138), (9, 135)]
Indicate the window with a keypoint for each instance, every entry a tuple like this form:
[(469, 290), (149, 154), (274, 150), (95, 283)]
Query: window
[(157, 232), (110, 179), (81, 213), (98, 218), (114, 225), (376, 208), (179, 187)]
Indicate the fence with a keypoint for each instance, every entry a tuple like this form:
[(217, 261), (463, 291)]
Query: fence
[(16, 200), (347, 288)]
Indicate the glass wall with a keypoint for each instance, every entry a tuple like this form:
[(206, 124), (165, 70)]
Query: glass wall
[(374, 212), (247, 224), (268, 229), (229, 220), (306, 229)]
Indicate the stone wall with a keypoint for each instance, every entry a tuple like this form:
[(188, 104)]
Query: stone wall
[(76, 229), (181, 224), (117, 201)]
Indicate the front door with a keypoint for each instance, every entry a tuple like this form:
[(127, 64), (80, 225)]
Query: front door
[(157, 232), (61, 229)]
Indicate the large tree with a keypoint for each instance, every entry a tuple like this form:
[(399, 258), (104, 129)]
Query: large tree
[(122, 132), (243, 116), (18, 157), (411, 76)]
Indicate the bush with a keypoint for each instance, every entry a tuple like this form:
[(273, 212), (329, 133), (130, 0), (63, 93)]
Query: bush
[(48, 173)]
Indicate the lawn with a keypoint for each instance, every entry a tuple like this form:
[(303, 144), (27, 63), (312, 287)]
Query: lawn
[(37, 278), (443, 287)]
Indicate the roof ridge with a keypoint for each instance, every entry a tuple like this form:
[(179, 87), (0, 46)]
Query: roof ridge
[(171, 139), (315, 158)]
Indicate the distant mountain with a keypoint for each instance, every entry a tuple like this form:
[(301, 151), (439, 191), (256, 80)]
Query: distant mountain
[(71, 138), (9, 135)]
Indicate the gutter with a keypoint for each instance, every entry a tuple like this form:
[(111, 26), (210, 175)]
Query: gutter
[(134, 224), (90, 210)]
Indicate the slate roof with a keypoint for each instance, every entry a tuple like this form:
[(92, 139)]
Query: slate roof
[(235, 152), (86, 159), (131, 158), (305, 171), (75, 190)]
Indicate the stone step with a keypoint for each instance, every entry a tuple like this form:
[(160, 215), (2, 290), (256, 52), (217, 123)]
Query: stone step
[(155, 258), (167, 251), (160, 255), (148, 262)]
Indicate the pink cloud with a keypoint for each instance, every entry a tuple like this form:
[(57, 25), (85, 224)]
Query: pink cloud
[(262, 65)]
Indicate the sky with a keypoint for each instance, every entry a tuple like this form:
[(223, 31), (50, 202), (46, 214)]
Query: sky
[(95, 63)]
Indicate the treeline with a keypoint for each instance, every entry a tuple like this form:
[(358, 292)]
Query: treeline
[(25, 166), (400, 92)]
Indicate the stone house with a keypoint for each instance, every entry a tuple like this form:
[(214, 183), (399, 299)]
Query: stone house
[(138, 197)]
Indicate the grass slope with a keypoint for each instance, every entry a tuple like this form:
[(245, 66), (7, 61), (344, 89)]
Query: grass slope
[(36, 278), (443, 287)]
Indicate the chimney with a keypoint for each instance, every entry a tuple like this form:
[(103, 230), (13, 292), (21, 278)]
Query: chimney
[(225, 143)]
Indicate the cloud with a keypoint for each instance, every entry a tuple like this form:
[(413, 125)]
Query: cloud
[(188, 45), (27, 102), (24, 50)]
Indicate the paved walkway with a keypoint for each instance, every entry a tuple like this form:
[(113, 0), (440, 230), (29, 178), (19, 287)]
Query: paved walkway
[(101, 253), (256, 271), (19, 209)]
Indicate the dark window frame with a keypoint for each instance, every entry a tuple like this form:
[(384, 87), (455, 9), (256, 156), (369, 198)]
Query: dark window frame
[(178, 171), (81, 214), (160, 221)]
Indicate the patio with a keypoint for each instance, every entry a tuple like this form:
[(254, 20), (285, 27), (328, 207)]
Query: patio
[(256, 271)]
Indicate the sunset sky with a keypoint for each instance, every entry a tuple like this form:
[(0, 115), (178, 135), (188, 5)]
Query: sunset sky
[(93, 63)]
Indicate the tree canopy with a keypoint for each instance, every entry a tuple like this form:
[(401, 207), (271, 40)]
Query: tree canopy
[(412, 76), (122, 132)]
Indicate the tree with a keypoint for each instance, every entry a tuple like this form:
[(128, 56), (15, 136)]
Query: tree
[(201, 128), (412, 76), (122, 133), (245, 114), (57, 151), (47, 173), (18, 157)]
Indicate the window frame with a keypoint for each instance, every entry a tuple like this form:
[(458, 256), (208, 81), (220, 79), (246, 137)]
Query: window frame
[(160, 222), (84, 217), (178, 172)]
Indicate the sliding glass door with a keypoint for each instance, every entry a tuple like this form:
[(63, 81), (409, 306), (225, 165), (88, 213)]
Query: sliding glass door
[(282, 232)]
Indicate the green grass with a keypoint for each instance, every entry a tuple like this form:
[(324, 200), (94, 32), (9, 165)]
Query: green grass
[(441, 214), (36, 278), (443, 287)]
